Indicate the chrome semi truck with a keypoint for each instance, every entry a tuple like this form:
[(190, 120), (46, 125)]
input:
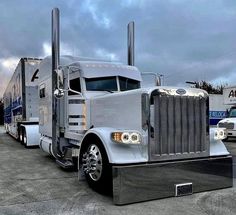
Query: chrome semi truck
[(21, 102), (136, 143)]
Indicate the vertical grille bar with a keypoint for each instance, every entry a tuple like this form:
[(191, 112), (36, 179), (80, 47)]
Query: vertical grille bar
[(184, 119), (188, 125), (194, 126), (197, 124), (203, 124), (167, 127), (177, 125), (174, 130), (191, 124), (171, 132), (164, 125), (160, 129)]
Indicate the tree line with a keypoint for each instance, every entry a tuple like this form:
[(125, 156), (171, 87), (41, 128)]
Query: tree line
[(210, 88)]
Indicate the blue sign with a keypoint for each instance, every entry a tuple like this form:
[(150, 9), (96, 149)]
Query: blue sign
[(217, 114)]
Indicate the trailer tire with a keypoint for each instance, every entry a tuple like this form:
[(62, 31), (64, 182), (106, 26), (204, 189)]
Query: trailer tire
[(24, 137), (96, 167), (6, 129), (21, 135)]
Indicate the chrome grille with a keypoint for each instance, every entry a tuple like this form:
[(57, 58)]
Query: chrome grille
[(227, 125), (180, 127)]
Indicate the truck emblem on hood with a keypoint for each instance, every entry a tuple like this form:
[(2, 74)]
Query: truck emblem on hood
[(181, 91)]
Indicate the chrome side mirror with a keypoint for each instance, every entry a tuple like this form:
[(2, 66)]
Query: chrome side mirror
[(59, 93), (157, 77)]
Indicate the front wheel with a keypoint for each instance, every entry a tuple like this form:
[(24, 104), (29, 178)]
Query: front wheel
[(96, 167)]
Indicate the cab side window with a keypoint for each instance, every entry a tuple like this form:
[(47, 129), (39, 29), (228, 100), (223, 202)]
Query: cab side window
[(42, 91), (74, 85)]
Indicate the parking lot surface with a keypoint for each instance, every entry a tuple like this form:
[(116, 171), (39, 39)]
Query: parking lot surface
[(32, 183)]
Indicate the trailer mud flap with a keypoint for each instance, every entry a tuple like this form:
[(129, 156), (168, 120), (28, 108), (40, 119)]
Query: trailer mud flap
[(136, 183)]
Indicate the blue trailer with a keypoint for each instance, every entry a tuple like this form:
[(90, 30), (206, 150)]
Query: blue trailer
[(21, 99)]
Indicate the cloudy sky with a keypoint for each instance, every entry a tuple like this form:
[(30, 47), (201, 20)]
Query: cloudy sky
[(186, 40)]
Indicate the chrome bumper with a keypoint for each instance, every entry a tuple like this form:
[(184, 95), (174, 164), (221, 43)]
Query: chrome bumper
[(136, 183)]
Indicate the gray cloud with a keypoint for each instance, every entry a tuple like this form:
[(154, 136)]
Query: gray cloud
[(182, 39)]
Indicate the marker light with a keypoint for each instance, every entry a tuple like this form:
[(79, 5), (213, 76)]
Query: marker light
[(126, 137)]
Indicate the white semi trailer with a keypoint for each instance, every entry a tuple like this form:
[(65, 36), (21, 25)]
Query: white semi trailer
[(217, 108), (229, 94), (138, 143), (21, 102)]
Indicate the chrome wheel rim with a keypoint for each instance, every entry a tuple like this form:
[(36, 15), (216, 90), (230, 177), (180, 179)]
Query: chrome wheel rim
[(92, 162), (21, 138), (24, 138)]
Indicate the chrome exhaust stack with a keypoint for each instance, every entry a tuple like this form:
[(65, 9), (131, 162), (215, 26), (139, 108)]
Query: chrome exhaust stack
[(55, 41), (55, 81), (130, 35)]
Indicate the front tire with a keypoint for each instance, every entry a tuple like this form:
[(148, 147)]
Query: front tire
[(96, 167)]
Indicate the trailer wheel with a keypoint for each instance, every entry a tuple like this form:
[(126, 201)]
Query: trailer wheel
[(96, 167), (21, 135), (24, 137), (6, 128)]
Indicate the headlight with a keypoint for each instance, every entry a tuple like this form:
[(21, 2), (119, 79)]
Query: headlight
[(220, 134), (126, 137), (135, 138)]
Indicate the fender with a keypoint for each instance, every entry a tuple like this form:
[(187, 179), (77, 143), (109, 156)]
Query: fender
[(119, 153), (217, 147), (32, 134)]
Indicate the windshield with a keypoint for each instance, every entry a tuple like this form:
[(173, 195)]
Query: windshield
[(101, 84), (110, 84), (128, 84), (232, 113)]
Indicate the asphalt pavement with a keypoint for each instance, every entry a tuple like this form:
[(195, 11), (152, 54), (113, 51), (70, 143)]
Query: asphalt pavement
[(32, 183)]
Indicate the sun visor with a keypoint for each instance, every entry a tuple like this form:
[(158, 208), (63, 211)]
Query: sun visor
[(93, 70)]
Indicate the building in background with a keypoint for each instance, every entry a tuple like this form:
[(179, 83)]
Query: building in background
[(217, 108)]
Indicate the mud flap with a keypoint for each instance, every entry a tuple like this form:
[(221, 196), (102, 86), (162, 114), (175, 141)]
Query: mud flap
[(136, 183)]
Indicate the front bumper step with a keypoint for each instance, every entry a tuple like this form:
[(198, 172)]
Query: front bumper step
[(144, 182)]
